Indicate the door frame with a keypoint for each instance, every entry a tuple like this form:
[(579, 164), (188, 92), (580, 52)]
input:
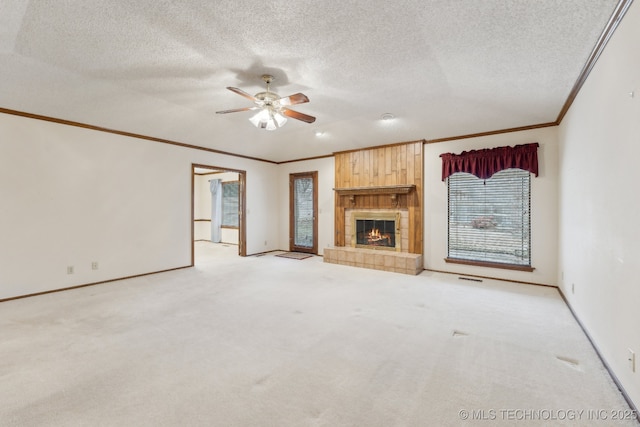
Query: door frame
[(242, 210), (292, 248)]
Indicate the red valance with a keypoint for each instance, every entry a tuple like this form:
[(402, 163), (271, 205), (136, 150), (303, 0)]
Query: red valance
[(484, 163)]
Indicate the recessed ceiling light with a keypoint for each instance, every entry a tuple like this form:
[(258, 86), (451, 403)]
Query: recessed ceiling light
[(319, 133), (387, 116)]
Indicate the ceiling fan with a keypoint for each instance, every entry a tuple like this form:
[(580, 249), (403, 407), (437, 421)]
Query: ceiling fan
[(272, 109)]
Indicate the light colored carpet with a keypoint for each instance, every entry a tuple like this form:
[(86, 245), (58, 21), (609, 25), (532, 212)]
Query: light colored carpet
[(263, 341)]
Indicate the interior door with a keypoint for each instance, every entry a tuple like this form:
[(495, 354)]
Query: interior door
[(242, 226), (303, 212)]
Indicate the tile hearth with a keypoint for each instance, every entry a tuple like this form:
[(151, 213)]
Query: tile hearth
[(398, 262)]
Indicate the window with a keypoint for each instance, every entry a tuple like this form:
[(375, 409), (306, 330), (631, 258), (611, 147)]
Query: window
[(490, 220), (230, 204)]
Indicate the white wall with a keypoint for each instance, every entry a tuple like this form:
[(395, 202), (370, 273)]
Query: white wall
[(544, 206), (326, 201), (600, 207), (71, 196)]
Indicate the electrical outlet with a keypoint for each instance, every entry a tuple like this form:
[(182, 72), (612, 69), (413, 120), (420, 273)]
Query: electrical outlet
[(94, 265), (632, 360), (70, 269), (573, 288), (265, 243)]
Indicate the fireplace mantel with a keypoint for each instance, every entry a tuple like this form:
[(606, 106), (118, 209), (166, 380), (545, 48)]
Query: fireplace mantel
[(392, 190)]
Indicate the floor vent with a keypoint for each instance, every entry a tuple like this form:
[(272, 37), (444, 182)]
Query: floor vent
[(470, 278), (573, 363)]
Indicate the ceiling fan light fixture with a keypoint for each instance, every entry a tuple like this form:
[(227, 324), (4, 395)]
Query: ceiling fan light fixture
[(268, 119), (273, 109), (279, 119)]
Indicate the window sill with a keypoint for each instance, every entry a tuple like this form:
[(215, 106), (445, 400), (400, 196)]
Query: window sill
[(229, 226), (489, 264)]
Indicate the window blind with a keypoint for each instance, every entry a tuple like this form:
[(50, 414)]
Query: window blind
[(490, 220)]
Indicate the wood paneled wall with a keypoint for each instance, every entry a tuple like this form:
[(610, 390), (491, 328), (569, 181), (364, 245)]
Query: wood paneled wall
[(397, 164)]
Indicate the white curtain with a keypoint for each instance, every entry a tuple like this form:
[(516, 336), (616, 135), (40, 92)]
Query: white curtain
[(215, 185)]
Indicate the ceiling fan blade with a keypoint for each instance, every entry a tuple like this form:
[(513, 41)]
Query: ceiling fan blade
[(236, 110), (299, 116), (242, 93), (297, 98)]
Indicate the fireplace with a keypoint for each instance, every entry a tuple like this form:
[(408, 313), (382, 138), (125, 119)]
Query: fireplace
[(382, 184), (376, 230), (378, 239)]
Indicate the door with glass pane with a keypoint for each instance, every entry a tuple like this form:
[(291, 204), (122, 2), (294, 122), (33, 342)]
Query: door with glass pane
[(303, 202)]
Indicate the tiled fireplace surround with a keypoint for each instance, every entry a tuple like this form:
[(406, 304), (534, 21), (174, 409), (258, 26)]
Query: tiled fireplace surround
[(378, 259)]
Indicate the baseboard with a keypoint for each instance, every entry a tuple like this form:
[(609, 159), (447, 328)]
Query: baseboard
[(90, 284), (490, 278), (602, 359), (218, 243)]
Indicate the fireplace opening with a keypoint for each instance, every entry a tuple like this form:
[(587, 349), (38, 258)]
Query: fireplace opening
[(376, 233)]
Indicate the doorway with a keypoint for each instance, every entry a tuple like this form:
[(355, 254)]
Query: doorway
[(303, 212), (229, 185)]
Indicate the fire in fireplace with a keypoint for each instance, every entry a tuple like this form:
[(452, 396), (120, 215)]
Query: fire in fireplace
[(375, 229), (374, 232)]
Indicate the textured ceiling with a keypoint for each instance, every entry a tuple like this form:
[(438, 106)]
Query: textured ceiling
[(159, 68)]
